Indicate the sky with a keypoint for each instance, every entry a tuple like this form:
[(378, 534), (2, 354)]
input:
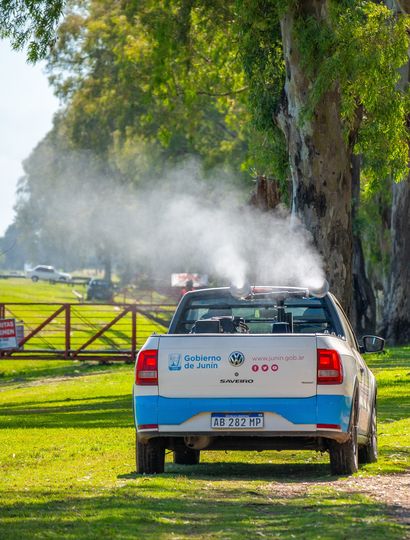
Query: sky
[(27, 105)]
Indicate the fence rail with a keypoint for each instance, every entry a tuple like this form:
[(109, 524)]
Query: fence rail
[(84, 331)]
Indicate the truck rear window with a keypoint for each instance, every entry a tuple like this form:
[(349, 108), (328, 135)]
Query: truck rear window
[(261, 315)]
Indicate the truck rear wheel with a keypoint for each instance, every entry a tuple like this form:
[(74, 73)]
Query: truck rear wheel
[(368, 453), (150, 456), (344, 457), (186, 456)]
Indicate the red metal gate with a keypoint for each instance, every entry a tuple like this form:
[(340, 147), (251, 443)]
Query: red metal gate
[(84, 331)]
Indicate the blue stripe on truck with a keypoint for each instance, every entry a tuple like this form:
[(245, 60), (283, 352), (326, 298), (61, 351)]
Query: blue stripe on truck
[(320, 409)]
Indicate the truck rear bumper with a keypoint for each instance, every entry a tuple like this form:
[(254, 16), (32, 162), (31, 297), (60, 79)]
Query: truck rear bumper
[(298, 440), (180, 416)]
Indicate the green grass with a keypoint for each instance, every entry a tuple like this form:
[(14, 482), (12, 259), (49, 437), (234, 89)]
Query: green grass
[(392, 371), (67, 461), (24, 290), (67, 467)]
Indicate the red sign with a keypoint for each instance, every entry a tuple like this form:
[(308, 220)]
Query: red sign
[(8, 334)]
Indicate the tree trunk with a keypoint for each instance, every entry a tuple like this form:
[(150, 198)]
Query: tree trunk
[(396, 324), (397, 313), (266, 195), (319, 160), (364, 302), (107, 267)]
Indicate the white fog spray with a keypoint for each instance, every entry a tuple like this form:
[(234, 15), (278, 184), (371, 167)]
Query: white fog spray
[(185, 223)]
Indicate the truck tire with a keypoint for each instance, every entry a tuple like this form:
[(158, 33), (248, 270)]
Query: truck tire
[(344, 457), (368, 453), (186, 456), (150, 456), (34, 279)]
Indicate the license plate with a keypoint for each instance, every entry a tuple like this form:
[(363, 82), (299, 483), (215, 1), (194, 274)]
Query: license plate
[(236, 420)]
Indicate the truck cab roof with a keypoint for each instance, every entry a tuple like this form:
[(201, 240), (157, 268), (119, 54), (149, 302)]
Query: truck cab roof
[(261, 311)]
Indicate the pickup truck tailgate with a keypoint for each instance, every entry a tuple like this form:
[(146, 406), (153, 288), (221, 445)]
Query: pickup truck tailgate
[(239, 365)]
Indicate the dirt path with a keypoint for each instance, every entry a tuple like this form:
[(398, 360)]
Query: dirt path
[(392, 490)]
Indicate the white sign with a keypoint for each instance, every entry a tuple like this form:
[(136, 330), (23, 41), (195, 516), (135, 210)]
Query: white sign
[(8, 334)]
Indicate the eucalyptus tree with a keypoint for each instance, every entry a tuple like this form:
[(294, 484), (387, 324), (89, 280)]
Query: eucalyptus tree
[(291, 88), (324, 73), (177, 77)]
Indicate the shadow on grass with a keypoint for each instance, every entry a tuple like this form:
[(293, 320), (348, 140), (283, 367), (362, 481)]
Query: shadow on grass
[(117, 412), (12, 371), (158, 509), (240, 470), (104, 411), (391, 358), (392, 408)]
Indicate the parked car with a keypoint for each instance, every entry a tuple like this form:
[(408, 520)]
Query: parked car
[(100, 289), (47, 273), (278, 368)]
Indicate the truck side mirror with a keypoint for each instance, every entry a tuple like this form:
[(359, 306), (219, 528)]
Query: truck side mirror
[(373, 344)]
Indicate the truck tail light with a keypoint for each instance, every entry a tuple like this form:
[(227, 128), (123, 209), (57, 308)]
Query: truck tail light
[(147, 426), (329, 367), (328, 426), (146, 372)]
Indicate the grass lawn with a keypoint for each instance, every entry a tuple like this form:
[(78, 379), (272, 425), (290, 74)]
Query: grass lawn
[(24, 290), (67, 467), (67, 460)]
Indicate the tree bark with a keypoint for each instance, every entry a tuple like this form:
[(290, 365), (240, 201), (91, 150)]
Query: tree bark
[(397, 313), (266, 195), (396, 324), (319, 159), (363, 316), (107, 267)]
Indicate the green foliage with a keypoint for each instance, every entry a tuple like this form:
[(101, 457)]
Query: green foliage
[(371, 80), (260, 49), (30, 22), (359, 50), (317, 43), (150, 83), (374, 228), (179, 77)]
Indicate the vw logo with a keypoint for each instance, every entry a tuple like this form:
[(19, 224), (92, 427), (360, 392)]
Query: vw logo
[(236, 358)]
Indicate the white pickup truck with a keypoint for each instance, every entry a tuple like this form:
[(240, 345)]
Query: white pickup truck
[(276, 368)]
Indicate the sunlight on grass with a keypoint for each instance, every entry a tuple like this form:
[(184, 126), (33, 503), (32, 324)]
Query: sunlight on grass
[(68, 467)]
